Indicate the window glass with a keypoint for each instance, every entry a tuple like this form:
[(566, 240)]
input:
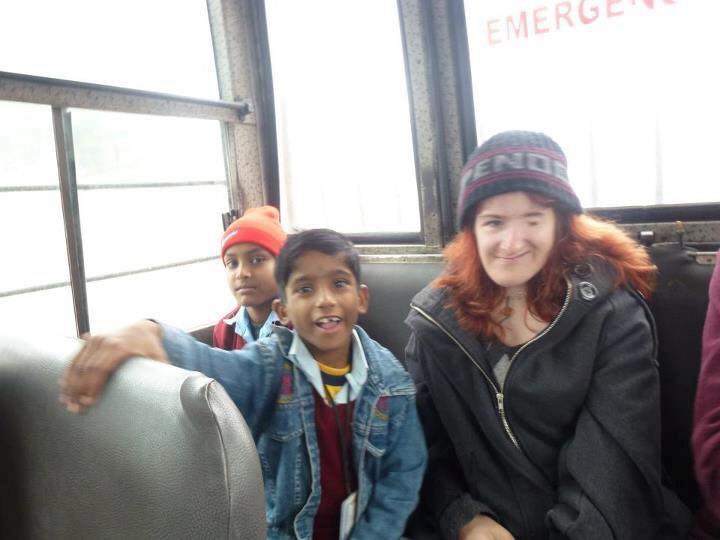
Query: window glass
[(32, 237), (162, 45), (187, 297), (130, 228), (39, 314), (127, 227), (620, 84), (119, 148), (343, 117), (32, 242), (27, 146)]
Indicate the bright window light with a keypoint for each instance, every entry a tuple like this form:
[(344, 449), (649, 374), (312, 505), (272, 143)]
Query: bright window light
[(343, 116), (625, 87)]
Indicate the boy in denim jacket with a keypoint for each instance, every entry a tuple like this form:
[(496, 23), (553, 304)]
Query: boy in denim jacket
[(332, 412)]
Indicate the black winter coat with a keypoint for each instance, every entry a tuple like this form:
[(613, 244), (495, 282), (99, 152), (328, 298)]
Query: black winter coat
[(570, 447)]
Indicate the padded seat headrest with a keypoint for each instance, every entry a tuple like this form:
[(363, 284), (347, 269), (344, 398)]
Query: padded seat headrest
[(164, 454)]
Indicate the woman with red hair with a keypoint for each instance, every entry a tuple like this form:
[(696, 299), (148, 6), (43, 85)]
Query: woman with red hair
[(534, 356)]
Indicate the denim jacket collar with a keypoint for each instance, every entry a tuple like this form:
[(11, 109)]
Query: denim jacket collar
[(383, 378), (301, 356), (243, 325)]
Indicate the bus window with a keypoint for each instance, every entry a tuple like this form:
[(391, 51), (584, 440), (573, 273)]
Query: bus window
[(343, 119), (35, 281), (163, 45), (134, 176), (621, 84), (150, 192)]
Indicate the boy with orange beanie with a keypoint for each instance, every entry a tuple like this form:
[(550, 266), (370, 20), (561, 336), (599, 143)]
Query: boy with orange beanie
[(249, 247)]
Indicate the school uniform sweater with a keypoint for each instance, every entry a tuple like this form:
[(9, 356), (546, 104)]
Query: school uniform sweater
[(224, 335), (332, 484)]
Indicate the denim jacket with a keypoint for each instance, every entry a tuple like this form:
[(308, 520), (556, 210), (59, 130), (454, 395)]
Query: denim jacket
[(276, 399)]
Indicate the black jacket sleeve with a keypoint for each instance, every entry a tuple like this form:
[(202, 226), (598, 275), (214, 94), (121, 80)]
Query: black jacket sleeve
[(444, 494), (610, 470)]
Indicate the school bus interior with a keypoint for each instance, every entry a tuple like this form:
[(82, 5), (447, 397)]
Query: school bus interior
[(114, 175)]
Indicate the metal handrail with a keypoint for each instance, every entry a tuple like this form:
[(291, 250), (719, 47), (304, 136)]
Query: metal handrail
[(138, 185), (60, 284), (67, 93)]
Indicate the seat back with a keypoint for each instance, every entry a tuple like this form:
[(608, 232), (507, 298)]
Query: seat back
[(392, 286), (678, 305), (164, 454)]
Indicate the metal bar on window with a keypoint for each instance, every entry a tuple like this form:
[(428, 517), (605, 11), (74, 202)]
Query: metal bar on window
[(137, 185), (36, 288), (144, 185), (234, 45), (18, 189), (461, 58), (262, 84), (430, 167), (234, 193), (62, 93), (65, 152), (154, 268), (436, 108), (386, 238), (59, 284), (660, 213)]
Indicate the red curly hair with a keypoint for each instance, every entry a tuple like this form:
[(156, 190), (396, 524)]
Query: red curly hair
[(474, 296)]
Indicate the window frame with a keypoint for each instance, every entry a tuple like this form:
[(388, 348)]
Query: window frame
[(236, 112), (430, 56)]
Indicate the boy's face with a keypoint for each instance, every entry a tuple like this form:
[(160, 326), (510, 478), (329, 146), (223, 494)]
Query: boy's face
[(323, 301), (249, 270)]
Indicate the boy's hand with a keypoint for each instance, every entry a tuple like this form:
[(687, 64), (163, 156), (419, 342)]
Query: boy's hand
[(86, 374), (484, 528)]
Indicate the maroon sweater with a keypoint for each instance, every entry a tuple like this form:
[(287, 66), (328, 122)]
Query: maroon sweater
[(332, 485), (224, 336), (706, 432)]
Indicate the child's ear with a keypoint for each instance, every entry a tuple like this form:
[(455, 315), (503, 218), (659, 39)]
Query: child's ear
[(281, 309), (364, 294)]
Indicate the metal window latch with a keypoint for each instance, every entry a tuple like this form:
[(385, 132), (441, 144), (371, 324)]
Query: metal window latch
[(229, 217), (646, 238)]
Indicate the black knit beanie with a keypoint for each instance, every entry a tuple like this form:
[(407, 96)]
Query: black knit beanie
[(515, 161)]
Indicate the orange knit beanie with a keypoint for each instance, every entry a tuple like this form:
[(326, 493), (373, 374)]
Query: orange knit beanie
[(259, 226)]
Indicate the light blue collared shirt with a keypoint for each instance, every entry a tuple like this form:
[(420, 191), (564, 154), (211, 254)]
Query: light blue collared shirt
[(243, 325), (309, 366)]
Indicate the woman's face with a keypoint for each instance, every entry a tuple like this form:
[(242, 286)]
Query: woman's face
[(514, 237)]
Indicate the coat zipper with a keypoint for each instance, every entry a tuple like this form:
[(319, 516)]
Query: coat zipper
[(547, 329), (499, 395)]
